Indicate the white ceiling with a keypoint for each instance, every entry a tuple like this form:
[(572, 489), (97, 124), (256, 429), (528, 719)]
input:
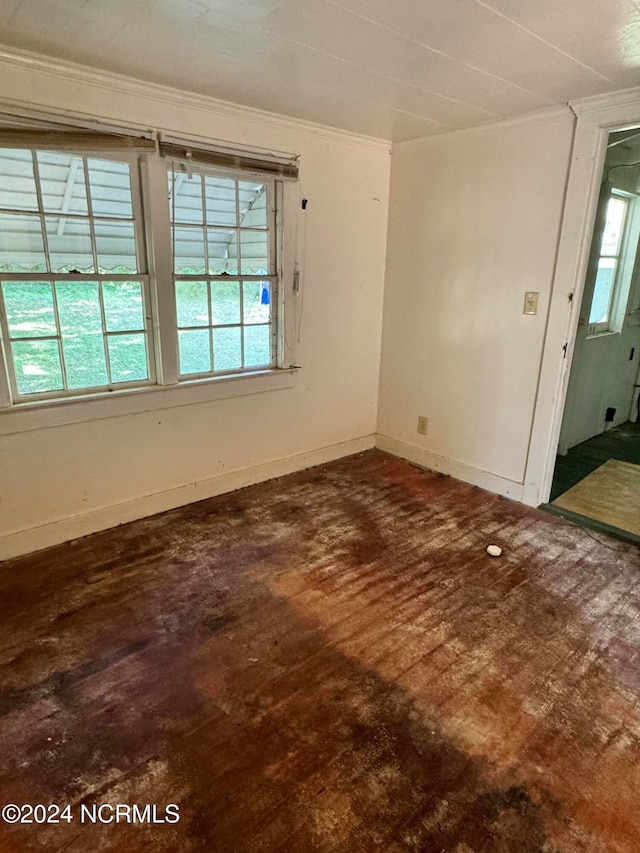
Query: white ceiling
[(394, 69)]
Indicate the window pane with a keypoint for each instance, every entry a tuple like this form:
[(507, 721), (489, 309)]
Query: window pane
[(225, 302), (257, 346), (21, 246), (223, 252), (79, 307), (127, 357), (116, 247), (614, 225), (185, 198), (256, 301), (220, 195), (227, 349), (252, 199), (81, 329), (602, 290), (195, 355), (62, 183), (189, 251), (29, 308), (192, 303), (110, 184), (123, 306), (37, 365), (255, 258), (84, 361), (17, 184), (69, 242)]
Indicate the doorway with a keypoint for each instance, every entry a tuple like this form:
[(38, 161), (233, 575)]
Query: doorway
[(596, 478)]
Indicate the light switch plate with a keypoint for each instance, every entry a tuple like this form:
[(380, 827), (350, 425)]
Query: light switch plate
[(530, 302)]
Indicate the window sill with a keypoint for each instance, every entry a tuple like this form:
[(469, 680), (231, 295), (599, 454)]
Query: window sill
[(25, 417), (603, 334)]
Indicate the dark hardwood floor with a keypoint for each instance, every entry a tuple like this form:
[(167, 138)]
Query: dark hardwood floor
[(327, 662), (622, 442)]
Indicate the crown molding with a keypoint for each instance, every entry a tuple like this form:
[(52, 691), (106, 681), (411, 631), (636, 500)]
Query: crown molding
[(620, 99), (534, 117), (72, 72)]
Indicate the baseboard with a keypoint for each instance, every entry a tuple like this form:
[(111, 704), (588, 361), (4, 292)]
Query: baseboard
[(459, 470), (37, 538)]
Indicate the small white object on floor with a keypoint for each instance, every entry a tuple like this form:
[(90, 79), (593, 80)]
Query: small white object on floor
[(494, 550)]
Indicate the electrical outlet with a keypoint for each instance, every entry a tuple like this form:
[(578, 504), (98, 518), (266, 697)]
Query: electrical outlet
[(530, 302), (422, 425)]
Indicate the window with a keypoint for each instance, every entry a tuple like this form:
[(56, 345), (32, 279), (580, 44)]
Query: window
[(224, 271), (609, 263), (72, 274), (122, 268)]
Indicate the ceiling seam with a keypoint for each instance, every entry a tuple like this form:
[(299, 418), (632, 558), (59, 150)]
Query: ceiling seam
[(543, 40), (387, 76), (437, 52)]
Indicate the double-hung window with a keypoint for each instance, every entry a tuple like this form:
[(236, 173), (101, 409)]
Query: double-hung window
[(136, 265), (224, 256), (73, 275)]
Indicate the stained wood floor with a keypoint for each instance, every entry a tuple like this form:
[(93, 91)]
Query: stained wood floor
[(328, 662)]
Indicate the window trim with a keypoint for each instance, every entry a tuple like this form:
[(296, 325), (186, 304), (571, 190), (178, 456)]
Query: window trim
[(39, 414), (168, 390)]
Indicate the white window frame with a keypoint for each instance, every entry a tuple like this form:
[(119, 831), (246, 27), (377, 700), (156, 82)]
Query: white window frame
[(608, 324), (9, 392), (165, 387), (274, 220)]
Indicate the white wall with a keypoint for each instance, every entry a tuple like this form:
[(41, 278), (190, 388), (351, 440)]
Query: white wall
[(63, 481), (474, 223)]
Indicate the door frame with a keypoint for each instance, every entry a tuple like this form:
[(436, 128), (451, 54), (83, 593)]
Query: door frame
[(595, 119)]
